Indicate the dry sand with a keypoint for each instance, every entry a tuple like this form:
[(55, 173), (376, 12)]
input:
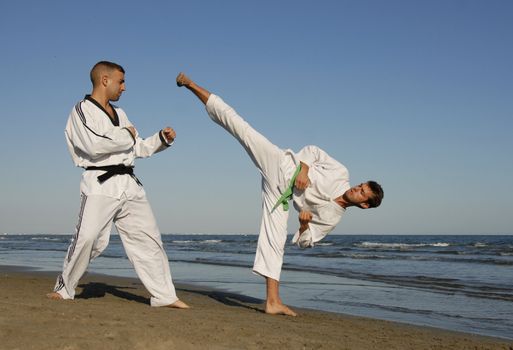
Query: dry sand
[(114, 313)]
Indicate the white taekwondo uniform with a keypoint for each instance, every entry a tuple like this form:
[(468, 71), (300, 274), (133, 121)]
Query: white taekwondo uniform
[(329, 180), (96, 140)]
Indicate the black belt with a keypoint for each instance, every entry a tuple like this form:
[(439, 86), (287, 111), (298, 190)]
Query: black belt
[(111, 170)]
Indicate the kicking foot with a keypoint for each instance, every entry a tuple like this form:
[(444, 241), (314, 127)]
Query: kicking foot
[(279, 309), (54, 296), (183, 80), (178, 305)]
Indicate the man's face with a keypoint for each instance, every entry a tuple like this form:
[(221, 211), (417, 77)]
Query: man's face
[(115, 85), (359, 195)]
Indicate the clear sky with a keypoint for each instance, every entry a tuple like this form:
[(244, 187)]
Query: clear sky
[(417, 95)]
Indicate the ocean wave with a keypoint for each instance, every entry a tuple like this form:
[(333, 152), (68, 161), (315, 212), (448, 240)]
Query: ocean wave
[(183, 242), (52, 239), (370, 256), (230, 263), (37, 249), (452, 252), (206, 241), (441, 257), (353, 255), (379, 245), (212, 241), (324, 244), (113, 256)]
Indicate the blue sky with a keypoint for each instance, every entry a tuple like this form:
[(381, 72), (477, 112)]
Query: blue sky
[(416, 95)]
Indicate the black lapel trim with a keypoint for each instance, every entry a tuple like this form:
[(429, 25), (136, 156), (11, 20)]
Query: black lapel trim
[(78, 109), (114, 122)]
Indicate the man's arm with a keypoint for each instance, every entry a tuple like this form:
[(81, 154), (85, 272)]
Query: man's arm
[(311, 155), (313, 228), (154, 144), (303, 236), (86, 135), (304, 218), (302, 179)]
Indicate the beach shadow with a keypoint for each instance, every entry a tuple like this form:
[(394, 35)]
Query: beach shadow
[(230, 299), (99, 290)]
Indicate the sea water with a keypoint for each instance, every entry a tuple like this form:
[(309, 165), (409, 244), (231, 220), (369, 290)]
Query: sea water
[(462, 283)]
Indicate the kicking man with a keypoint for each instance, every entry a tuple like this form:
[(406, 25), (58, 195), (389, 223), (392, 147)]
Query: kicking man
[(317, 183)]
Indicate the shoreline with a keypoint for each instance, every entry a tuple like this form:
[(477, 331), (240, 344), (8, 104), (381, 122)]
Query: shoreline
[(112, 312)]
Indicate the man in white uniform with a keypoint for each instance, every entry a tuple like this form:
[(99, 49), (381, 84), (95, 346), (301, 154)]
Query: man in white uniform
[(102, 140), (318, 184)]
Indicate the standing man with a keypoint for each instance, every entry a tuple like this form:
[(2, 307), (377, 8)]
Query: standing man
[(318, 184), (102, 140)]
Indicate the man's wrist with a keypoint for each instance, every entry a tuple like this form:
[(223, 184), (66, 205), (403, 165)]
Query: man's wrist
[(164, 139), (304, 167)]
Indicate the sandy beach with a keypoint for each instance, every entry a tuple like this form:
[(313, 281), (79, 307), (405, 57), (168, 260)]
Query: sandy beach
[(114, 313)]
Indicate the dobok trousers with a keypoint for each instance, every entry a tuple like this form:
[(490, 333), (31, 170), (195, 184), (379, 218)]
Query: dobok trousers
[(139, 234)]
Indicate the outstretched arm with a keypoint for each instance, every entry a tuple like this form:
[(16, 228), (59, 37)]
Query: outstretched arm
[(201, 93), (156, 143)]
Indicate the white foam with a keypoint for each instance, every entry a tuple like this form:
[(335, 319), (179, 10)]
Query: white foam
[(182, 242), (210, 241), (45, 239), (324, 243), (400, 245)]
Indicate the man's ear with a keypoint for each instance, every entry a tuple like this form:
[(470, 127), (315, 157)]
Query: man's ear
[(105, 80), (364, 205)]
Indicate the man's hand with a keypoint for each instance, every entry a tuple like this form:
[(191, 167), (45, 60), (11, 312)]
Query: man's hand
[(302, 179), (169, 134), (304, 218), (132, 131)]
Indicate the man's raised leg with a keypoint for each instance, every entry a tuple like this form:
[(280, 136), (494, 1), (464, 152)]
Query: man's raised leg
[(265, 155)]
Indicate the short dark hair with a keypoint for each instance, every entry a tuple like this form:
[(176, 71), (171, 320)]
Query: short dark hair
[(377, 192), (103, 65)]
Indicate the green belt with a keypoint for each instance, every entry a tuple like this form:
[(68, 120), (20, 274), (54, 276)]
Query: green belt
[(287, 194)]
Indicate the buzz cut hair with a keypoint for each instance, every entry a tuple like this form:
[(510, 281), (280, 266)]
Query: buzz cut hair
[(102, 66)]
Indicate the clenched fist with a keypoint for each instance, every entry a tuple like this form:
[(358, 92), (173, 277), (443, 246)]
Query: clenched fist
[(169, 134), (304, 218)]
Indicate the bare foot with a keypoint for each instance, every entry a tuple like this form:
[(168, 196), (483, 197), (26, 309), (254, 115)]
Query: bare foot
[(182, 80), (178, 305), (54, 296), (279, 309)]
